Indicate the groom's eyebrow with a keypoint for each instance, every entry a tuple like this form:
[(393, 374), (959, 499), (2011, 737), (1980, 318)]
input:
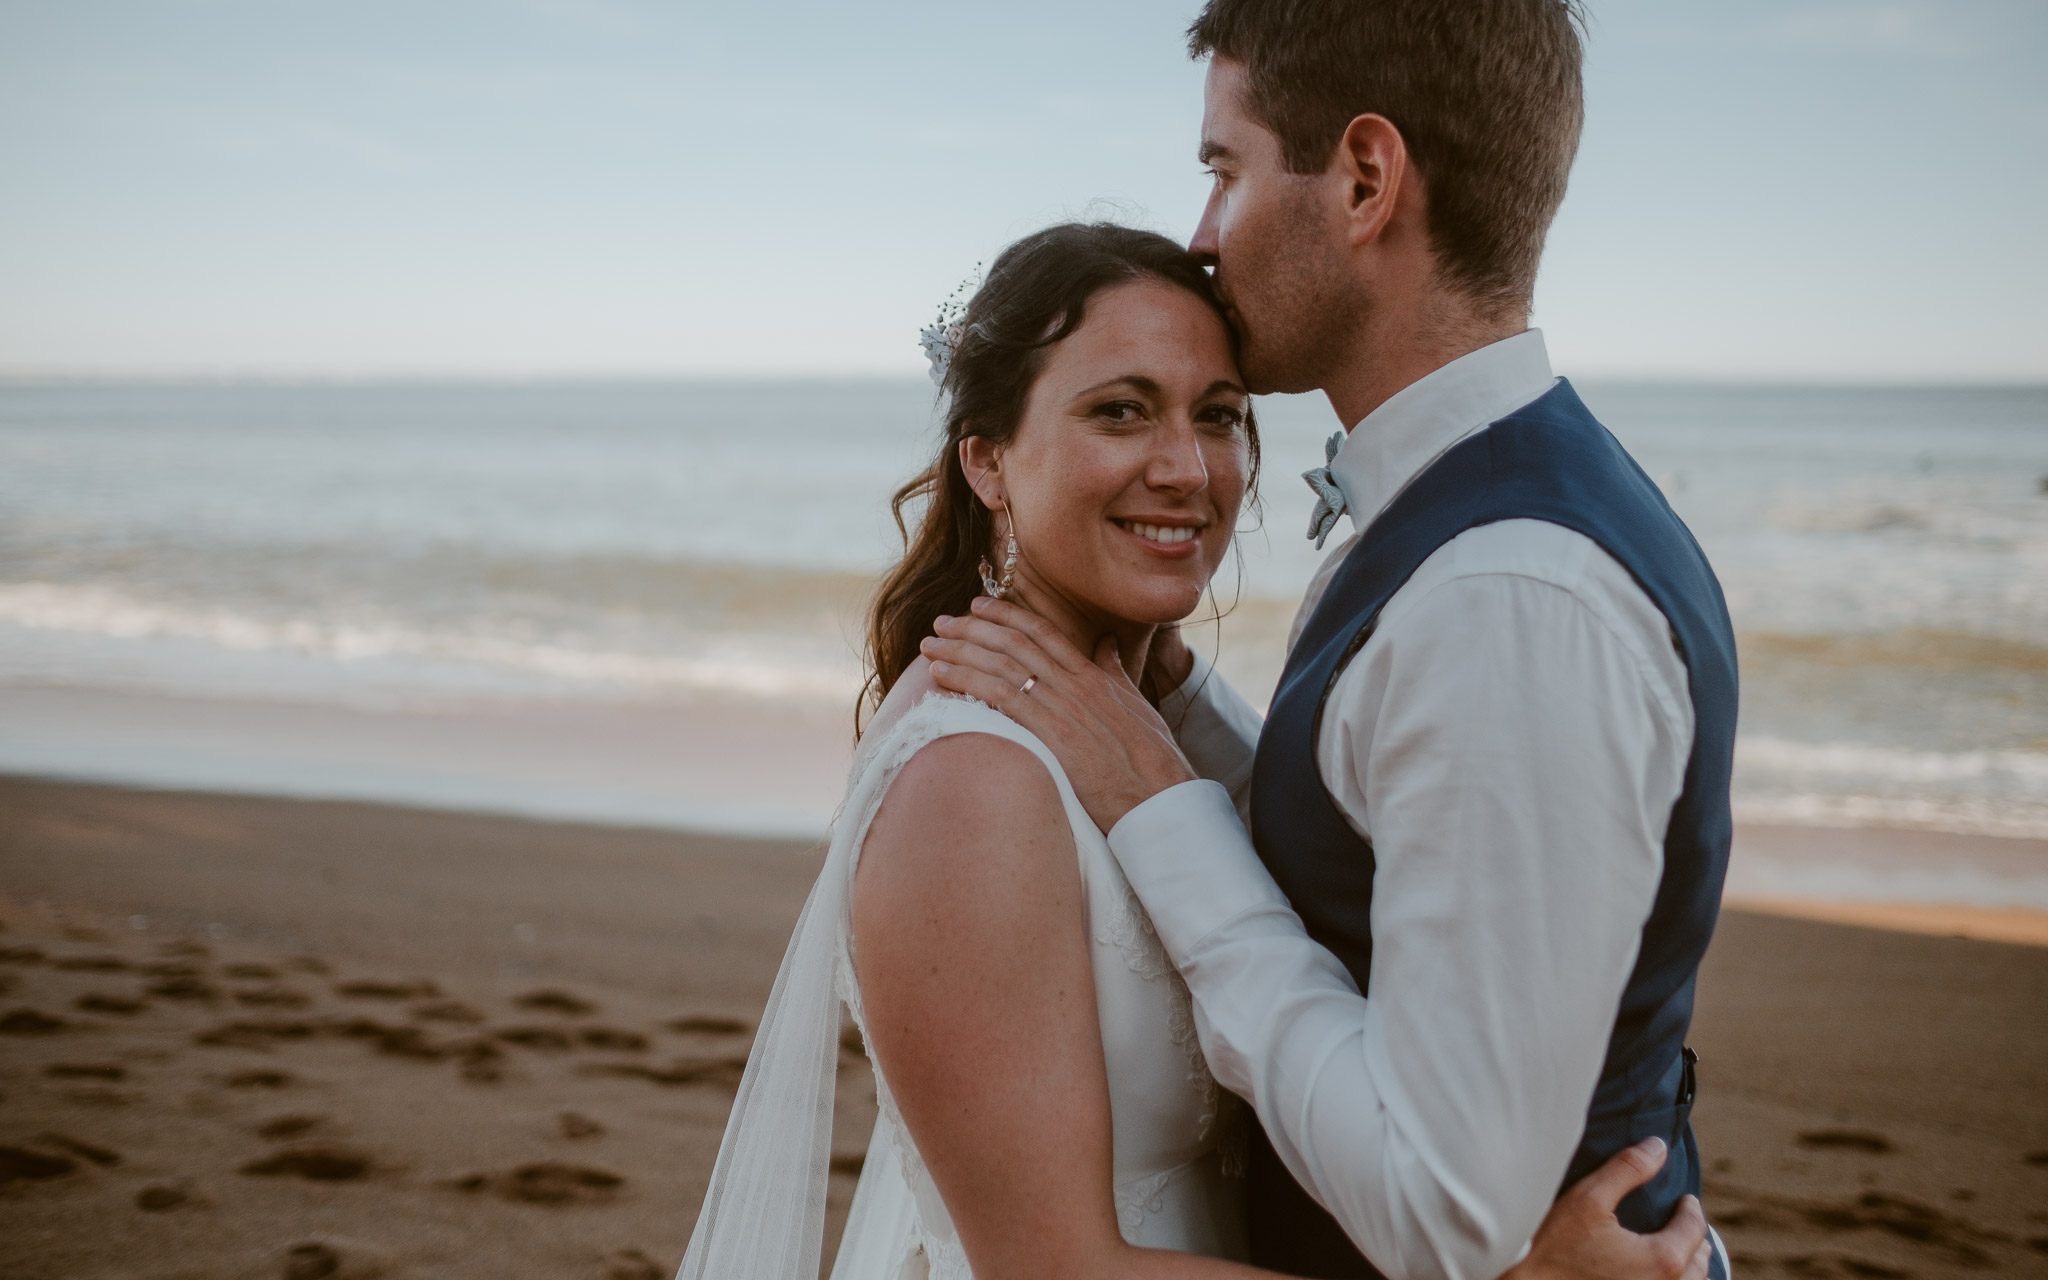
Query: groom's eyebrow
[(1210, 152)]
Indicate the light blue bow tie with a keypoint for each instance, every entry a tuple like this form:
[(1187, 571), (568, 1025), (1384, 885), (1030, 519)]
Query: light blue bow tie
[(1329, 498)]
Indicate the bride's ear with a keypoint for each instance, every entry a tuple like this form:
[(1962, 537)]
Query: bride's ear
[(981, 461)]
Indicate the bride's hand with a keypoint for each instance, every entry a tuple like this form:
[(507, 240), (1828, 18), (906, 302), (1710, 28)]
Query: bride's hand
[(1116, 751), (1581, 1239)]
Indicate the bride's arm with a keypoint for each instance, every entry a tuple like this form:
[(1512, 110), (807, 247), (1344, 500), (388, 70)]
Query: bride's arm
[(971, 942)]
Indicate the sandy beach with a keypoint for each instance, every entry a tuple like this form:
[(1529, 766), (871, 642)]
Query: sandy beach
[(278, 1038)]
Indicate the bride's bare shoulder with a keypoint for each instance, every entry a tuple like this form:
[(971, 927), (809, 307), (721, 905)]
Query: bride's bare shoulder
[(972, 826)]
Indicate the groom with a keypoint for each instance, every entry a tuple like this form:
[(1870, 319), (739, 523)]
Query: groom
[(1493, 782)]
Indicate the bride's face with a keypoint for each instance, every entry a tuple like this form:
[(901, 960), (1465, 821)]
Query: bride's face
[(1128, 467)]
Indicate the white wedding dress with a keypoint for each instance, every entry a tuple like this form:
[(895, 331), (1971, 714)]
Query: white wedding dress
[(1177, 1138)]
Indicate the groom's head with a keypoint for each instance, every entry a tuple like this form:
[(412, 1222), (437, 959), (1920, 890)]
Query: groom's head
[(1398, 156)]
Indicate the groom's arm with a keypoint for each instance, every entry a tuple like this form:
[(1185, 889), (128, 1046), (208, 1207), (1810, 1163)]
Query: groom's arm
[(1502, 736), (1518, 750)]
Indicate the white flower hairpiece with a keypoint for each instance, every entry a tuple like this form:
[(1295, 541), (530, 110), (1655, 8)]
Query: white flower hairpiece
[(941, 338)]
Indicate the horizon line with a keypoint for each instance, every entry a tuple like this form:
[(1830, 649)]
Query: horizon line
[(34, 376)]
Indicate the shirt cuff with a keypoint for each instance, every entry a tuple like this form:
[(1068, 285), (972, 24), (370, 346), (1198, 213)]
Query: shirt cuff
[(1189, 861)]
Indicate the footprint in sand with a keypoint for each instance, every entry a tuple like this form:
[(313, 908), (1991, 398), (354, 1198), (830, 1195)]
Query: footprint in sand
[(315, 1164), (577, 1127), (562, 1002), (289, 1126), (1846, 1140), (20, 1164), (449, 1011), (97, 1002), (331, 1259), (249, 971), (86, 1151), (183, 986), (544, 1038), (418, 989), (273, 998), (163, 1197), (548, 1182), (92, 964), (2037, 1158), (1907, 1220), (709, 1025), (631, 1264), (30, 1022), (612, 1038), (310, 1262), (85, 1071), (260, 1080)]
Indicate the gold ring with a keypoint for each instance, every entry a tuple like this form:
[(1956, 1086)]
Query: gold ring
[(1028, 682)]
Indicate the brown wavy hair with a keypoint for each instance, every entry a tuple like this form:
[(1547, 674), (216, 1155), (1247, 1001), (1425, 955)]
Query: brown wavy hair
[(1034, 296)]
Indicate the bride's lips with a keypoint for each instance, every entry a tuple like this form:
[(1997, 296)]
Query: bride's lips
[(1171, 537)]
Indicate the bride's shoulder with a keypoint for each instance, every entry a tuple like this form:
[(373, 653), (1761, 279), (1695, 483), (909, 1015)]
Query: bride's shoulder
[(971, 838)]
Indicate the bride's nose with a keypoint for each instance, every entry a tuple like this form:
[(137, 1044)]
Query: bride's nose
[(1177, 464)]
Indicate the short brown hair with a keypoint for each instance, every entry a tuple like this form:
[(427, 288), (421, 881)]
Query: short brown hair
[(1486, 93)]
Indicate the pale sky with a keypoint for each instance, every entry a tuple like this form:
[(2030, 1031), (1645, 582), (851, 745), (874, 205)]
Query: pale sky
[(1777, 189)]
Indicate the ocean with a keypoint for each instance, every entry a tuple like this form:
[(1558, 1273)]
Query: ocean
[(408, 548)]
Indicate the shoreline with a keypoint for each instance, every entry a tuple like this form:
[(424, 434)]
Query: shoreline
[(772, 771)]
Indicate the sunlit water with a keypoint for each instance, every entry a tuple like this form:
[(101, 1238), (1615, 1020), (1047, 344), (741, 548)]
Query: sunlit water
[(1885, 554)]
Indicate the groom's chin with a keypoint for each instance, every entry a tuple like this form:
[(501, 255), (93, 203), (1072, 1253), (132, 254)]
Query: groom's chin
[(1266, 376)]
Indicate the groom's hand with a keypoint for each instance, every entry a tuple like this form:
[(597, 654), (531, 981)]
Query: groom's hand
[(1116, 750), (1582, 1239)]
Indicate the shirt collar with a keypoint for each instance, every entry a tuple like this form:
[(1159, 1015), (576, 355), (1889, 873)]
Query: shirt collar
[(1395, 442)]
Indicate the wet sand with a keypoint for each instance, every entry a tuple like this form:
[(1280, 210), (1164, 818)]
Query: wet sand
[(274, 1038)]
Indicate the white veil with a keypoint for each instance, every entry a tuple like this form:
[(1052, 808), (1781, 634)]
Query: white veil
[(764, 1212)]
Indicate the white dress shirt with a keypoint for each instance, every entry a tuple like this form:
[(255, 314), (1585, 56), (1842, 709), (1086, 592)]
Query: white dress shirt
[(1511, 740)]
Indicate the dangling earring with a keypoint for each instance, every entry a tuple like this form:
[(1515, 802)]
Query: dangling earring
[(993, 587)]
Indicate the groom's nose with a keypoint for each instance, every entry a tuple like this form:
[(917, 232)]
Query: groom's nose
[(1204, 245)]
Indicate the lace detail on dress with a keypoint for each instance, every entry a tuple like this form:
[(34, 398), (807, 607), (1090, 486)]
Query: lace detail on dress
[(1129, 929), (1140, 1198)]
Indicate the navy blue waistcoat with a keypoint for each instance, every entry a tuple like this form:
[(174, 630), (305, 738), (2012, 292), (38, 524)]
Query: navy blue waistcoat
[(1548, 461)]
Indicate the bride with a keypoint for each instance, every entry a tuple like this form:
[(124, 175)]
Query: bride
[(1044, 1106)]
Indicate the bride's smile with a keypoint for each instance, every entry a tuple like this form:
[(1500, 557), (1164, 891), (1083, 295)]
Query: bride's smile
[(1131, 458)]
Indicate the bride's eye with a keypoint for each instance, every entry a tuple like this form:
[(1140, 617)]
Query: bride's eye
[(1120, 412), (1226, 417)]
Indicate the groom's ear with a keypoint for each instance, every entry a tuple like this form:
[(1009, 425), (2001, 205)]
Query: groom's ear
[(1372, 163), (981, 461)]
